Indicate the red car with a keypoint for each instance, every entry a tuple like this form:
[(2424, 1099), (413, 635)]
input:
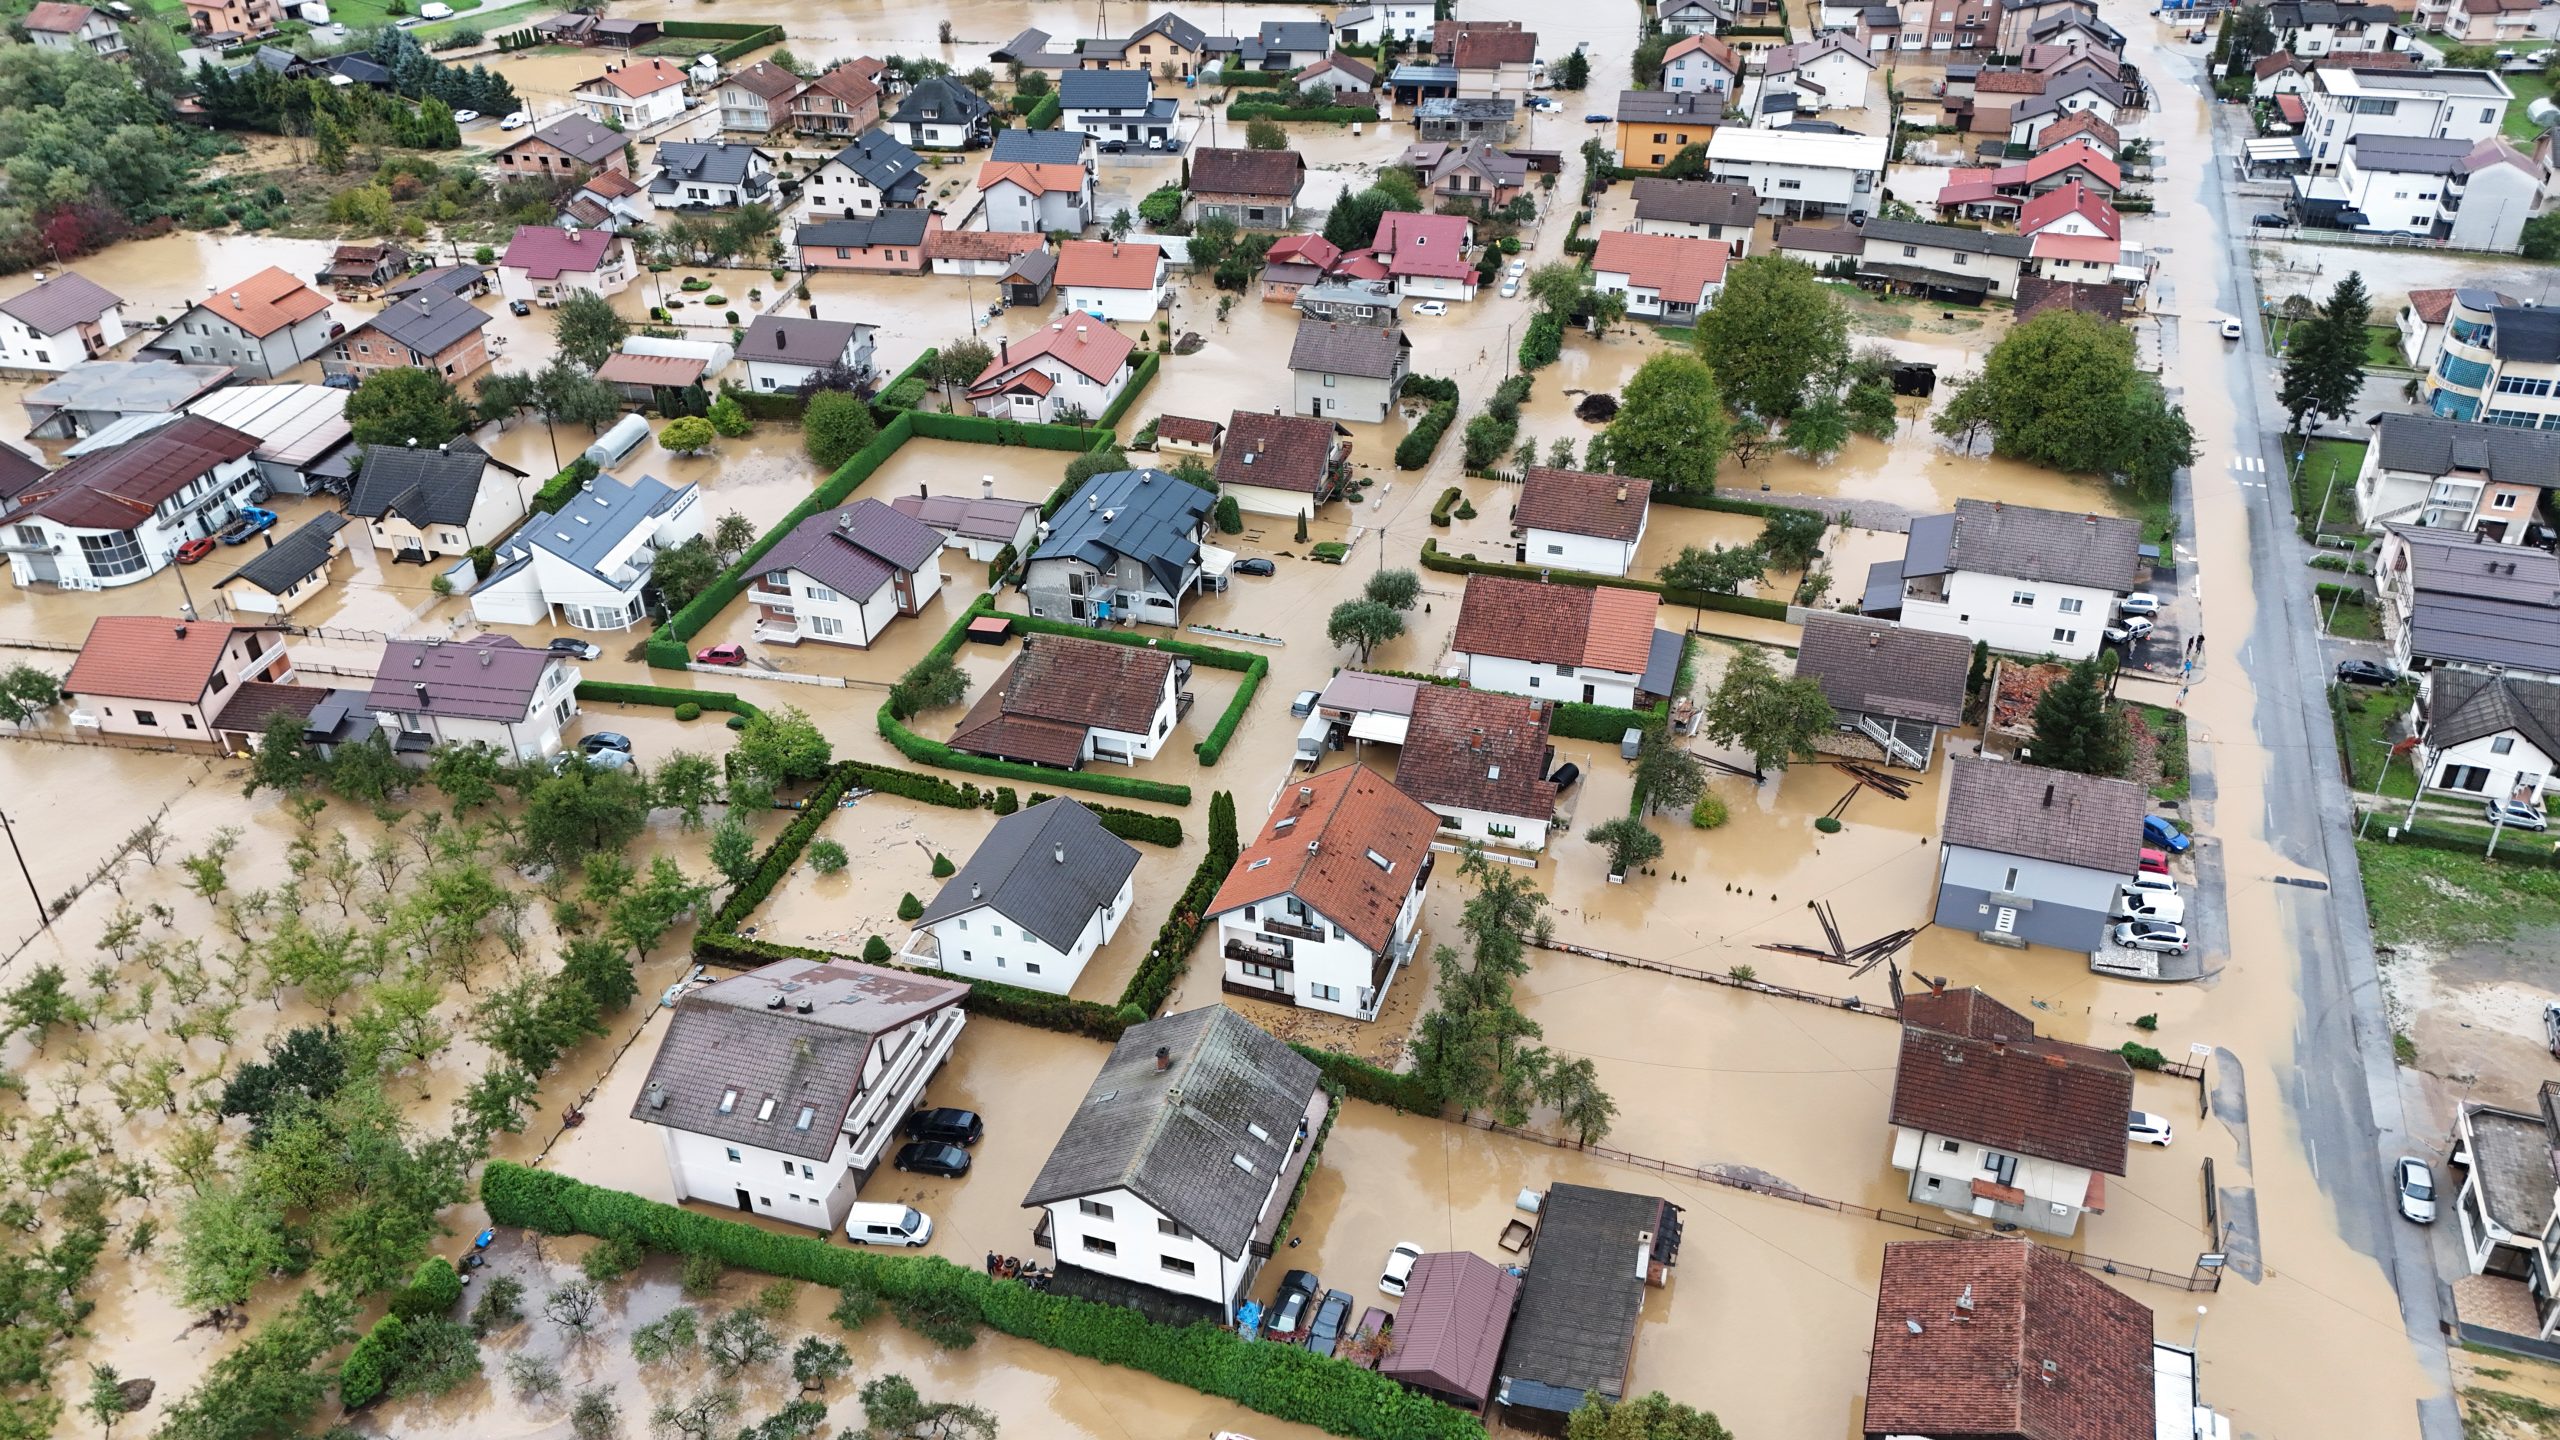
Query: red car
[(195, 550), (2155, 861), (721, 655)]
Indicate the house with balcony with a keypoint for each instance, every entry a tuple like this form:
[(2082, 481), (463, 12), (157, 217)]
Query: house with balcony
[(940, 113), (719, 175), (116, 516), (1494, 59), (1283, 465), (756, 100), (1116, 107), (489, 690), (1127, 547), (1031, 198), (2492, 22), (2502, 1201), (2340, 105), (1799, 173), (1166, 1189), (2499, 363), (2333, 27), (229, 22), (438, 332), (1073, 366), (1701, 64), (840, 104), (2437, 474), (545, 264), (1666, 278), (1653, 126), (779, 1092), (1991, 1121), (2423, 317), (843, 577), (1426, 255), (982, 528), (2472, 194), (2034, 856), (1697, 209), (1961, 263), (2488, 736), (261, 327), (784, 352), (54, 25), (1352, 372), (1828, 73), (587, 564), (1595, 644), (422, 505), (146, 677), (1578, 520), (1477, 759), (1325, 906), (633, 95), (2017, 578), (1448, 120), (1474, 176), (1895, 688), (1046, 889), (2462, 601), (1692, 17), (1066, 701), (874, 172), (58, 322)]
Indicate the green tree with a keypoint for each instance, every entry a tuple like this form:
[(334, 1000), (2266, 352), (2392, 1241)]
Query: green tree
[(1818, 429), (580, 811), (1689, 162), (929, 684), (1397, 589), (283, 760), (1774, 719), (1573, 72), (733, 849), (1777, 336), (1265, 135), (685, 783), (1229, 515), (893, 1410), (1648, 58), (2324, 355), (2077, 727), (782, 744), (958, 363), (27, 692), (563, 394), (687, 435), (1792, 539), (367, 771), (1630, 845), (2062, 391), (1647, 1417), (1559, 288), (105, 1404), (1667, 775), (602, 970), (467, 774), (504, 394), (1364, 625), (729, 418), (1670, 427), (2542, 232), (835, 426), (588, 329), (1717, 570), (406, 406)]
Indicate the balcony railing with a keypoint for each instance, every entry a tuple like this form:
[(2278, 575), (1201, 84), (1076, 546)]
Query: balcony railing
[(1286, 927), (1273, 953)]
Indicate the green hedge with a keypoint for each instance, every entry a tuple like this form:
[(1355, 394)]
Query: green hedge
[(1044, 116), (980, 430), (1288, 1382), (1225, 730), (766, 404), (914, 371), (1166, 959), (780, 856), (1413, 452), (555, 492), (744, 40), (1213, 656), (1146, 825), (1139, 380), (1361, 1080), (622, 692), (1448, 501), (934, 752), (1728, 504), (1434, 558), (1607, 723), (1233, 78), (1001, 566), (1327, 114)]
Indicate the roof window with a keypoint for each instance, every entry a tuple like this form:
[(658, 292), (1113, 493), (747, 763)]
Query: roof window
[(728, 1101)]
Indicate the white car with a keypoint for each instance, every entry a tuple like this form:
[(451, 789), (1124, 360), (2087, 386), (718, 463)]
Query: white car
[(2133, 904), (1432, 307), (516, 120), (2139, 603), (2134, 630), (1510, 288), (1399, 1267), (2156, 935), (465, 117), (2230, 329), (435, 10), (2151, 882), (2416, 1185), (2144, 1128), (1519, 268)]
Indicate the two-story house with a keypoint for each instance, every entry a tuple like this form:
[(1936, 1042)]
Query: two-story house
[(1692, 17), (1325, 907), (2491, 22), (2328, 27), (633, 95), (1897, 687), (1800, 173), (160, 679), (1347, 371), (783, 353), (1828, 73), (489, 690), (1113, 279), (1452, 121), (1426, 255), (1701, 64), (117, 516), (287, 572), (874, 173), (260, 327), (1066, 701), (1029, 197), (1173, 1174), (1474, 176), (1046, 889), (1125, 547), (1654, 126), (1496, 60), (779, 1091), (1578, 520), (2031, 855), (1959, 261), (940, 113), (1167, 46), (2497, 363), (2014, 577), (1990, 1121), (54, 25), (2439, 474), (2451, 600), (1589, 643), (721, 175), (58, 322), (439, 332), (420, 504), (1698, 209), (228, 22), (545, 264), (2488, 734), (570, 145), (587, 564), (842, 577), (1284, 465), (1073, 366), (2448, 104), (1257, 189), (982, 528), (1667, 278), (757, 99), (1116, 107), (1479, 761), (840, 104)]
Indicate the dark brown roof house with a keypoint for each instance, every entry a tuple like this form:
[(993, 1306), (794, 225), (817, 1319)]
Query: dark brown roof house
[(1259, 174), (1478, 750), (1578, 502), (2005, 1339), (1975, 1070), (1280, 452), (1060, 690)]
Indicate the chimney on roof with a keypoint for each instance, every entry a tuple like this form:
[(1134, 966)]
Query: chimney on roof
[(1306, 793), (804, 1005), (182, 629), (1061, 853), (986, 487), (973, 889), (1164, 1058), (1622, 493), (235, 300), (419, 689)]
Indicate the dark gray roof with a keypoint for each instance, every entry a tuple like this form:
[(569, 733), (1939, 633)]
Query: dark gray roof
[(2526, 333), (1147, 515), (284, 564), (1041, 147), (1687, 105), (2294, 14), (2473, 704), (1868, 667), (2090, 23), (360, 70), (2025, 543), (941, 100), (442, 279), (884, 162), (2012, 808), (1950, 237), (1696, 202), (2426, 445), (2482, 604), (1333, 348), (713, 163), (1296, 35), (429, 322), (724, 1038), (1778, 102), (1105, 90), (856, 550), (1047, 869), (889, 227), (1173, 27), (581, 138), (1172, 1136), (1033, 267), (54, 305), (2409, 154), (797, 340), (423, 487), (1575, 1330)]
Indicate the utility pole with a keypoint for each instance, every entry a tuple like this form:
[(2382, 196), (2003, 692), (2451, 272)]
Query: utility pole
[(43, 916)]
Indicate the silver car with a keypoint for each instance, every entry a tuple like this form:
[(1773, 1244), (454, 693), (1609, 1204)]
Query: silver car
[(2157, 935), (2417, 1186)]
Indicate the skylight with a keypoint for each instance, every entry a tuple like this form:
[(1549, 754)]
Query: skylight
[(765, 1110), (1243, 1164), (808, 1113), (728, 1101)]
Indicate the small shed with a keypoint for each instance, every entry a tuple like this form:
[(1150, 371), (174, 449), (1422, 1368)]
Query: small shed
[(1449, 1331)]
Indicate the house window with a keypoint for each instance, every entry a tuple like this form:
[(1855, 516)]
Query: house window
[(1179, 1267), (1174, 1228), (145, 717), (734, 1157), (1324, 992), (2502, 502), (1100, 1246), (2065, 637), (2502, 745), (1948, 1147), (1094, 1208), (2070, 605), (2022, 597), (1910, 250)]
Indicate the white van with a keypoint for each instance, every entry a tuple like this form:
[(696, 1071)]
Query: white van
[(1313, 736), (871, 1223)]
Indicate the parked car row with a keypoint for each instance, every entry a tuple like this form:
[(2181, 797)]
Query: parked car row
[(937, 1144)]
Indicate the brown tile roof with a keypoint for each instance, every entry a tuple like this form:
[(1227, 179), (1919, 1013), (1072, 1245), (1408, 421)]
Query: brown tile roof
[(1188, 431), (1347, 843), (1577, 502), (2079, 125), (1696, 202), (1477, 750), (847, 83), (54, 18), (1108, 264), (1678, 267), (1605, 626), (116, 489), (984, 244), (255, 702), (1082, 343), (149, 657), (1059, 687), (2036, 295), (2007, 82), (668, 371), (1358, 69), (1982, 1373), (1870, 667), (266, 302), (1828, 239), (1480, 49), (1271, 174), (1034, 176), (1973, 1069), (765, 79), (2013, 808), (1449, 1327), (610, 185), (1275, 452), (2432, 305)]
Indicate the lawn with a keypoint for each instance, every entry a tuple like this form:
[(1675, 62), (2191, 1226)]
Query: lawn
[(364, 14), (2347, 612), (2381, 344), (2448, 897), (2338, 461), (2529, 88), (2164, 734), (2365, 716)]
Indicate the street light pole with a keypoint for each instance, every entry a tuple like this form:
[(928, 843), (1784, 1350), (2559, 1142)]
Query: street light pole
[(43, 916)]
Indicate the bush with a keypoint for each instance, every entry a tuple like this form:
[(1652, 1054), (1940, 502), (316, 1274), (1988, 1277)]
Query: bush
[(1827, 824), (910, 909), (943, 869), (1146, 991), (2142, 1057), (434, 1290), (1466, 509), (1331, 552), (688, 711), (1225, 730), (1448, 501), (1708, 813), (1413, 452), (828, 858), (875, 951)]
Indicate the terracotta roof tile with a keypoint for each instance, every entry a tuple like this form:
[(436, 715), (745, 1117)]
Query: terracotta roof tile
[(266, 302), (1972, 1069), (766, 80), (982, 244), (1604, 626), (645, 76), (1325, 843), (1188, 431), (54, 18), (1081, 343), (1276, 452), (1108, 265), (1678, 267), (1272, 174), (1034, 176), (1059, 687), (1477, 750), (149, 657), (1578, 502), (2079, 125), (1934, 1369)]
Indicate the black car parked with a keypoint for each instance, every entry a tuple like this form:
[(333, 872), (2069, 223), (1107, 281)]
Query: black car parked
[(1324, 1332), (1290, 1306), (2270, 220), (2365, 672), (945, 1126), (1256, 565), (932, 1157)]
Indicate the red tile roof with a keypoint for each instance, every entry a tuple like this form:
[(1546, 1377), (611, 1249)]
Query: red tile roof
[(1083, 344), (1037, 177), (671, 372), (1477, 750), (2289, 109), (2055, 161), (1108, 265), (2080, 124), (982, 244), (1707, 45), (150, 657), (638, 77), (1578, 502), (116, 489), (2007, 82), (1973, 1069), (1430, 245), (765, 80), (1937, 1368), (2072, 199), (1345, 842), (1303, 250), (1276, 452), (51, 18), (1678, 267), (1608, 627), (1483, 50), (266, 302), (1188, 431)]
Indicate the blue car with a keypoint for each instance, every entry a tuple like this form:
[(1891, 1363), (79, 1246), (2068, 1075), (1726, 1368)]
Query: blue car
[(2156, 831), (248, 522)]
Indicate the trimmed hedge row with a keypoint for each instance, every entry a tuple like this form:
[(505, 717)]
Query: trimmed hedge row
[(980, 430), (1728, 504), (1448, 501), (1146, 825), (1414, 451), (1434, 558), (623, 692), (1145, 993), (934, 752), (1606, 723), (785, 851), (766, 404), (991, 998), (1361, 1080), (1328, 114), (1236, 79), (1044, 116), (1288, 1382), (914, 371), (555, 492), (1139, 380), (1225, 730)]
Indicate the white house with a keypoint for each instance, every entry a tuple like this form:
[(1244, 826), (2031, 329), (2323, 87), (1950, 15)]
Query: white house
[(59, 322), (633, 95), (117, 516), (1701, 64), (260, 327), (1669, 278), (783, 352), (1992, 1122), (2441, 474), (1325, 907), (1113, 279), (2492, 736), (1691, 17), (981, 528), (1407, 20), (2340, 105), (718, 175), (1589, 643), (1799, 173), (2335, 27), (842, 577), (1178, 1163), (489, 690), (1066, 700), (587, 564), (872, 174), (545, 264), (2016, 578), (421, 504), (779, 1092), (156, 678), (81, 29), (1700, 209), (1116, 106), (1282, 465), (1480, 761), (757, 99), (940, 113), (1576, 520), (1826, 74), (1426, 255), (2034, 856), (282, 575), (1127, 546), (1075, 364), (1024, 196), (1046, 889)]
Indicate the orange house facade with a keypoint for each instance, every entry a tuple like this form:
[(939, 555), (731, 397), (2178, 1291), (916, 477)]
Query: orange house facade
[(890, 242)]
